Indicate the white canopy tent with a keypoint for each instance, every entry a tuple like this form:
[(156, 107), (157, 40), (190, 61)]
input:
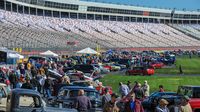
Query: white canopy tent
[(87, 51), (49, 53), (11, 54)]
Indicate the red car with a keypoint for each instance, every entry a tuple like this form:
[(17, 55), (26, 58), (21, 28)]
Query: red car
[(157, 65), (140, 71), (107, 67)]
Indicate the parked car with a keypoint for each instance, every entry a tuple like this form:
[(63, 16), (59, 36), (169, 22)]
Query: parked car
[(85, 68), (101, 68), (194, 93), (67, 96), (140, 71), (75, 75), (152, 101), (24, 100), (108, 67), (157, 65), (113, 66)]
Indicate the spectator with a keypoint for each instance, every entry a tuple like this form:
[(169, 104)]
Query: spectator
[(47, 86), (130, 105), (185, 106), (129, 85), (180, 70), (13, 78), (135, 85), (106, 97), (36, 84), (27, 84), (82, 103), (19, 83), (139, 93), (100, 88), (90, 84), (162, 107), (123, 89), (161, 88), (146, 89), (111, 105)]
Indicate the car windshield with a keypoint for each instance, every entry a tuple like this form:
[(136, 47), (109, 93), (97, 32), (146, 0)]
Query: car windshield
[(74, 93), (185, 91), (29, 101)]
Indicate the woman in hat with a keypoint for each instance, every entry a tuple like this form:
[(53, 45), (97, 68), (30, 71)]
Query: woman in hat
[(162, 107)]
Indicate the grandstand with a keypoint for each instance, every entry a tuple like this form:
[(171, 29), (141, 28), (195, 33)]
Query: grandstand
[(66, 24)]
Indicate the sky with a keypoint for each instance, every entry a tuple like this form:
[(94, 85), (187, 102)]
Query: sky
[(191, 5)]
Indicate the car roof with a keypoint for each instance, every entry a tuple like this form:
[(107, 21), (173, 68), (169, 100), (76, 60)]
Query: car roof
[(25, 91), (193, 86), (78, 88)]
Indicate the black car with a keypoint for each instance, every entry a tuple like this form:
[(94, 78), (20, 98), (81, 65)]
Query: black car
[(67, 96), (152, 101), (85, 68)]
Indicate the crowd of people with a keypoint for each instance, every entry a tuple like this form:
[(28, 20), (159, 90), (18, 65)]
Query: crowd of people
[(35, 75)]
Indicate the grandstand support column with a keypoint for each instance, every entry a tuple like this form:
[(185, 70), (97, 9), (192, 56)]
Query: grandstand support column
[(11, 8), (36, 11), (148, 20), (5, 5), (17, 9), (29, 10), (108, 17), (123, 18), (43, 13), (23, 9), (59, 14), (51, 13)]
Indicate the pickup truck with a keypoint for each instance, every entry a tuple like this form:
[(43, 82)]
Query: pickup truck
[(194, 93)]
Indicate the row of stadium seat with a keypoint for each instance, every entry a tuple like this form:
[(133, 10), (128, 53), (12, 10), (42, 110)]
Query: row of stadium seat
[(30, 31)]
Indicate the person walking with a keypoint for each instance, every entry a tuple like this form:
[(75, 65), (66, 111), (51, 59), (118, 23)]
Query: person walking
[(27, 84), (161, 88), (123, 89), (47, 86), (111, 105), (162, 106), (185, 106), (106, 97), (82, 103), (146, 89)]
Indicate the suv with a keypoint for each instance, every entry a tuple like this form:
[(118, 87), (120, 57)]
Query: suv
[(140, 71), (194, 93)]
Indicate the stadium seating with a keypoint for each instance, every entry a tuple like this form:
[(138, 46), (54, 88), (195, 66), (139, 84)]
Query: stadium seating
[(30, 31)]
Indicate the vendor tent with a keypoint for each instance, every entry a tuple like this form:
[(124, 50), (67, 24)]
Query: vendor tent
[(49, 53), (87, 51)]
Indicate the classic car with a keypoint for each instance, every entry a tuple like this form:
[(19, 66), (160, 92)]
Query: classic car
[(157, 65), (85, 68), (75, 75), (113, 66), (67, 96), (24, 100), (140, 71), (101, 68)]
